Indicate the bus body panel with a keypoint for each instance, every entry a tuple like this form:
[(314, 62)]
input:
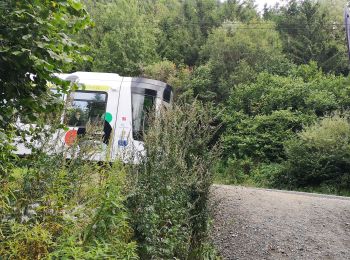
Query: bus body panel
[(120, 103)]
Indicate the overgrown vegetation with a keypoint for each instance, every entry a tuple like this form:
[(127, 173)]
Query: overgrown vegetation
[(169, 206), (50, 209), (277, 83), (58, 208), (319, 156)]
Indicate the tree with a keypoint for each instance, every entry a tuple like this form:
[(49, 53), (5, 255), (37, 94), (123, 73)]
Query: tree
[(185, 26), (309, 33), (236, 10), (261, 116), (335, 9), (35, 44), (123, 39), (236, 52), (182, 31), (177, 76)]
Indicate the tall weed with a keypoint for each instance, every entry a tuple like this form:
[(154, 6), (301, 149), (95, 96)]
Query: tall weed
[(169, 205)]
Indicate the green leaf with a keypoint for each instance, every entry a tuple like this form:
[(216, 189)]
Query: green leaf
[(16, 53), (76, 5), (26, 37)]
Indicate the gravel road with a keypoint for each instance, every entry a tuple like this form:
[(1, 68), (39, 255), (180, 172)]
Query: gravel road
[(268, 224)]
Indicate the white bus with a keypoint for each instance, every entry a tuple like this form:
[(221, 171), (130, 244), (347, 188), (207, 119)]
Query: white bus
[(117, 104)]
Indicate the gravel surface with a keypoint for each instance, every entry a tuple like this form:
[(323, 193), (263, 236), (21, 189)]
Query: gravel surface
[(270, 224)]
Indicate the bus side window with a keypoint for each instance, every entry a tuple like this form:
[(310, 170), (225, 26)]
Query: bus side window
[(86, 108), (143, 102)]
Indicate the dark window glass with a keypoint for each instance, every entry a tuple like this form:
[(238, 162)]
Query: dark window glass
[(167, 94), (86, 109), (143, 103)]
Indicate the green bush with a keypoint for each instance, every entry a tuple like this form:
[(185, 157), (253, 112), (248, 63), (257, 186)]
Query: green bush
[(234, 171), (265, 175), (169, 206), (177, 76), (320, 155), (305, 89), (262, 115), (247, 172), (6, 155), (261, 137)]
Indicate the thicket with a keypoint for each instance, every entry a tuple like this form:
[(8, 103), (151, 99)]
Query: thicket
[(273, 80), (55, 208), (319, 157), (262, 115), (264, 120), (316, 159), (169, 206)]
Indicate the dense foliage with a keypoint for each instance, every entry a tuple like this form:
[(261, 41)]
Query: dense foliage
[(310, 33), (264, 114), (169, 207), (262, 119), (122, 39), (276, 81), (50, 210), (35, 44), (319, 156)]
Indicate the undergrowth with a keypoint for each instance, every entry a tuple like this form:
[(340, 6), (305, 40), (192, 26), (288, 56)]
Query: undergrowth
[(169, 206), (55, 208), (317, 160), (58, 209)]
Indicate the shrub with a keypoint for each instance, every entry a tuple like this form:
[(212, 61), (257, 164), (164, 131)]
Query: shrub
[(320, 155), (265, 175), (179, 77), (234, 171), (247, 172), (170, 202), (263, 114), (163, 70), (6, 155), (261, 137)]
